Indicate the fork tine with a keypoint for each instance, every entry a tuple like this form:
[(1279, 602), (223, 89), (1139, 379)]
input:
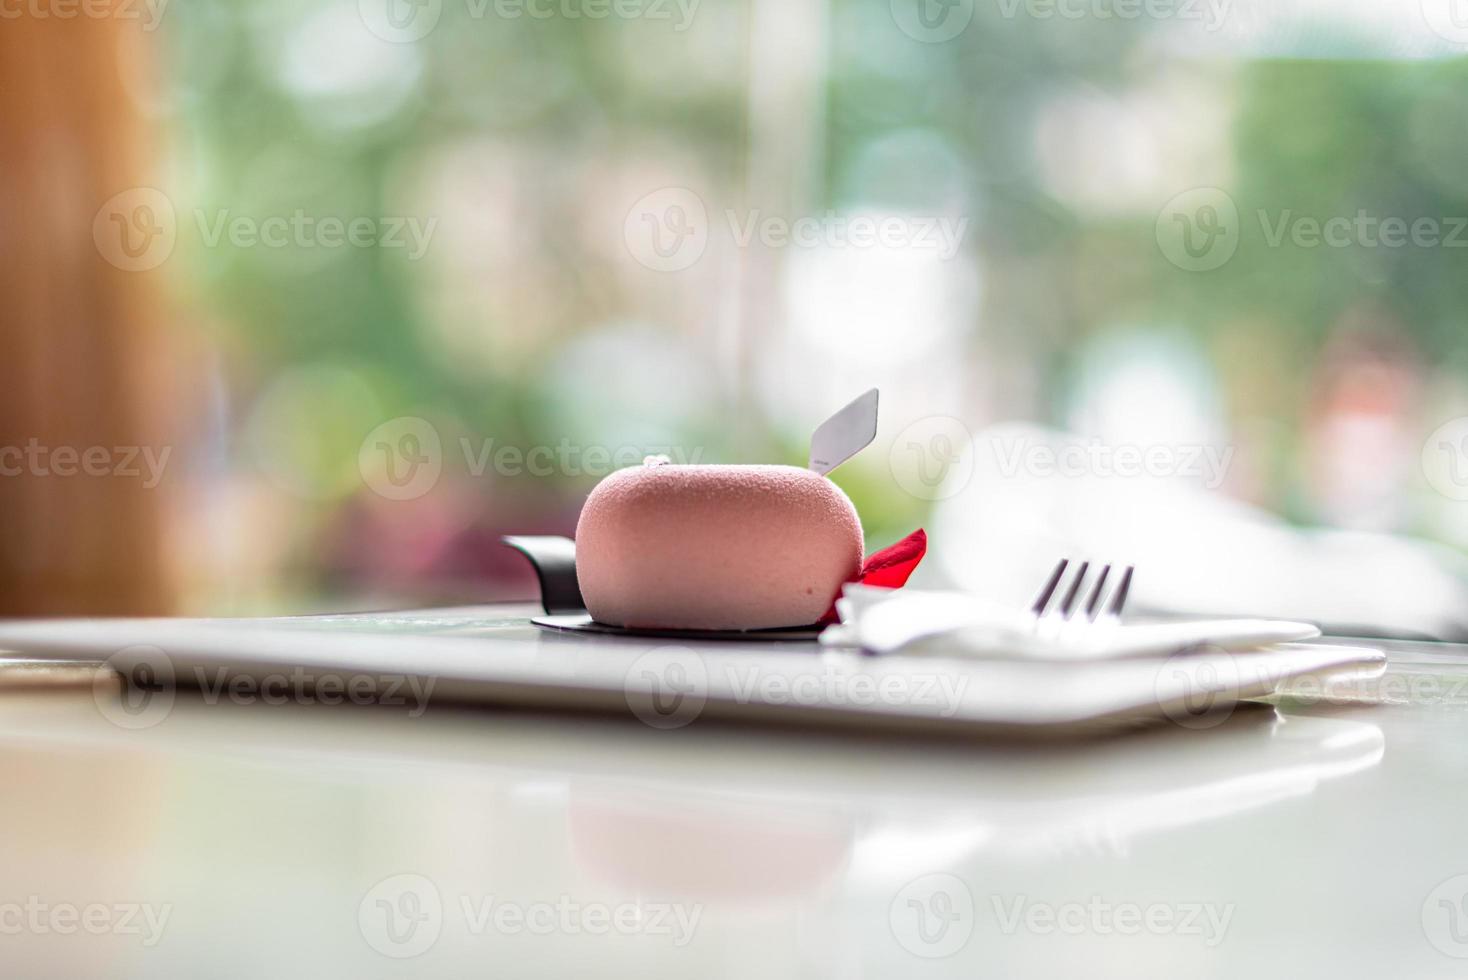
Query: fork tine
[(1043, 599), (1093, 605), (1118, 598), (1070, 603), (1068, 606)]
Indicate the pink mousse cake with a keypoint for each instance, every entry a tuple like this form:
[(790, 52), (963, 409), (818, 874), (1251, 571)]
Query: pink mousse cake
[(715, 547)]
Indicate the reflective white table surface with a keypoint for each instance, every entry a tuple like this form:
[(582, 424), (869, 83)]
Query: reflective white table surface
[(1308, 838)]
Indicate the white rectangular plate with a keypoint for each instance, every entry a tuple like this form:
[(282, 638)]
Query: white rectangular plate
[(492, 655)]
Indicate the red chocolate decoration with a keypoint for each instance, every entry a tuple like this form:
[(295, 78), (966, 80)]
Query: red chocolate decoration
[(890, 567)]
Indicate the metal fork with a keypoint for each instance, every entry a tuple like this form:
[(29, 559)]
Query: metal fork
[(1059, 607)]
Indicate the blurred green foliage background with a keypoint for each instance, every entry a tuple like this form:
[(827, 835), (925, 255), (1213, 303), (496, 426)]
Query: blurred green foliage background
[(521, 146)]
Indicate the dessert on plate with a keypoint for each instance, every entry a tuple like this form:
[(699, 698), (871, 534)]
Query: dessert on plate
[(723, 548)]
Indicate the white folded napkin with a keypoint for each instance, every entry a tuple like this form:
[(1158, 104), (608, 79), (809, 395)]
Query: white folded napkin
[(956, 623)]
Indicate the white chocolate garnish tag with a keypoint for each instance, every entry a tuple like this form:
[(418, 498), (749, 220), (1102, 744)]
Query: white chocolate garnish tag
[(844, 434)]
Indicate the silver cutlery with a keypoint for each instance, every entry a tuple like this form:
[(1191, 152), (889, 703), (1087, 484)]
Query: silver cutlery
[(1075, 617), (1073, 599)]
